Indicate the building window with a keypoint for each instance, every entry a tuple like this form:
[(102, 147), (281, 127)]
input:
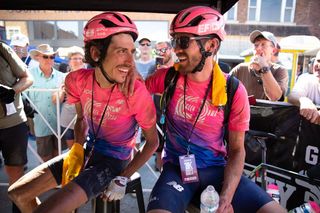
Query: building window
[(271, 10), (11, 30), (231, 15), (67, 29), (44, 29)]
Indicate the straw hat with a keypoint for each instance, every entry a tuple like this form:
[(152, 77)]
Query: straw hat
[(42, 49), (75, 50)]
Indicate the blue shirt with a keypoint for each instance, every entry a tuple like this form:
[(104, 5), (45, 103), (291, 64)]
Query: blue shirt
[(43, 100)]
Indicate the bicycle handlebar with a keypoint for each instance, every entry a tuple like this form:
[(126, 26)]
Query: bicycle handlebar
[(265, 135)]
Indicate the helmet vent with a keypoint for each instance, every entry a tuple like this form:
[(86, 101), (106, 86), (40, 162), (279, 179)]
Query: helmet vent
[(107, 23), (196, 21), (129, 20), (184, 16)]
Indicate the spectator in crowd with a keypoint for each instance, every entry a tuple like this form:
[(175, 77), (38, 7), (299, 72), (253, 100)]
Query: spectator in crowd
[(145, 62), (14, 78), (261, 77), (68, 111), (19, 44), (306, 93), (194, 152), (164, 59), (111, 118), (45, 77)]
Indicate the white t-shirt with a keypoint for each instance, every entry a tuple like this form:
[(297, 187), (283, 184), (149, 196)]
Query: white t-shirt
[(308, 85)]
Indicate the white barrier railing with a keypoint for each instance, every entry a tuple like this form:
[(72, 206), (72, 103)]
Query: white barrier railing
[(58, 133)]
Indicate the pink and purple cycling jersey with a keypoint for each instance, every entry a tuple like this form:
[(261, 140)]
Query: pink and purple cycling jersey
[(206, 140), (116, 137)]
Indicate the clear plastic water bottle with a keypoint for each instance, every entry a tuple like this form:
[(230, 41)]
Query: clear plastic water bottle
[(273, 191), (209, 200), (310, 207)]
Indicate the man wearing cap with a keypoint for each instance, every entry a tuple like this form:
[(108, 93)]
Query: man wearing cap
[(45, 77), (19, 44), (145, 63), (261, 77)]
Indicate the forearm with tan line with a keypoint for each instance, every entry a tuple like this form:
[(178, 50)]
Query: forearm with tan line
[(235, 164), (143, 155)]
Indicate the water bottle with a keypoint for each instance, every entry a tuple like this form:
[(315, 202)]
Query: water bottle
[(273, 191), (310, 207), (209, 200)]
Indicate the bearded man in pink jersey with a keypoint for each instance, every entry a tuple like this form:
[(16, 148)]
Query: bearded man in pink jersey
[(106, 119), (194, 154)]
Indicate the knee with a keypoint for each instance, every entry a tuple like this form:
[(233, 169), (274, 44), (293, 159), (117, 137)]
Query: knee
[(12, 194)]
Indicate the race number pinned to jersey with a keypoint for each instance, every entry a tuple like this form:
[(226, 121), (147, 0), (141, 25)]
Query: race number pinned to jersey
[(188, 168)]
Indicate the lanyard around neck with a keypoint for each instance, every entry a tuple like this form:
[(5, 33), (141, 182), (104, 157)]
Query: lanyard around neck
[(95, 134), (201, 107)]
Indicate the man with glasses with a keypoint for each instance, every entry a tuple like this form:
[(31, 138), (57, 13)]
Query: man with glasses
[(261, 77), (45, 77), (194, 153), (145, 62)]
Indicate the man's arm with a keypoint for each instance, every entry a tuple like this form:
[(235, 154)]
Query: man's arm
[(25, 81), (233, 169), (271, 87), (143, 156), (307, 108), (81, 126)]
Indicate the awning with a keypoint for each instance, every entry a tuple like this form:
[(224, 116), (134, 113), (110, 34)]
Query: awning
[(158, 6)]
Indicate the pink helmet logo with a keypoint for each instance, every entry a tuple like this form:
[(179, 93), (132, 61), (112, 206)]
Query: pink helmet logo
[(209, 28)]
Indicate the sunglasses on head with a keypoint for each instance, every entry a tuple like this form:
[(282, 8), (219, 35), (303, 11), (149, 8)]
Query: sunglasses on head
[(47, 56), (183, 41), (145, 44), (162, 50)]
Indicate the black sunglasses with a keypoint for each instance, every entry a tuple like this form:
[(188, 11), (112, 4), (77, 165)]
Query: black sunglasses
[(146, 44), (183, 41), (162, 50), (46, 56)]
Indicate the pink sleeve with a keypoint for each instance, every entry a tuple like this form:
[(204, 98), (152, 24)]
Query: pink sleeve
[(155, 82), (73, 95), (143, 106), (240, 110)]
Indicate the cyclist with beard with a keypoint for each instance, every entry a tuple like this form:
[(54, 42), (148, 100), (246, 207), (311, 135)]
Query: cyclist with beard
[(109, 118), (194, 153)]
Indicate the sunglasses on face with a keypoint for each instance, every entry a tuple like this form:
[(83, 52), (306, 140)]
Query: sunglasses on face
[(145, 44), (183, 41), (162, 50), (47, 56)]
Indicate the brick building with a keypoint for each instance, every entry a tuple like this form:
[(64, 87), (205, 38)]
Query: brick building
[(282, 17)]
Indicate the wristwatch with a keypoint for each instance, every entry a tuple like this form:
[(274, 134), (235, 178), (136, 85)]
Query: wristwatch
[(264, 70)]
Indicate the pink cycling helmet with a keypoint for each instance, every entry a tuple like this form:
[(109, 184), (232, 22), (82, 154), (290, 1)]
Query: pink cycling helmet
[(107, 24), (199, 20)]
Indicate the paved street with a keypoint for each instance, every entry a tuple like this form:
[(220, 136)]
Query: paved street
[(127, 205)]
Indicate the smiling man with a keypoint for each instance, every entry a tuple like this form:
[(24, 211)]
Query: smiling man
[(104, 114), (261, 77), (194, 153)]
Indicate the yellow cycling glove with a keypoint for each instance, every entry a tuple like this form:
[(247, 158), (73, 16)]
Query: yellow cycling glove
[(72, 163)]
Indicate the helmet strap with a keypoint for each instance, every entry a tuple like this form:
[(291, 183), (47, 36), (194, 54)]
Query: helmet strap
[(204, 55), (106, 76)]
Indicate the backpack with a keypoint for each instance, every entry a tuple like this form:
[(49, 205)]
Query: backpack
[(170, 82)]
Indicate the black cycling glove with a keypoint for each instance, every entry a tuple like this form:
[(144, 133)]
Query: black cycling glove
[(6, 95)]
